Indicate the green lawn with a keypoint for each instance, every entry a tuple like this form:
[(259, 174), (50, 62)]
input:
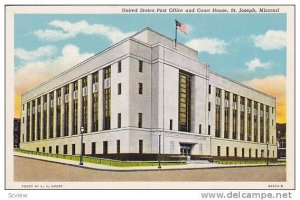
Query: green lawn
[(102, 161)]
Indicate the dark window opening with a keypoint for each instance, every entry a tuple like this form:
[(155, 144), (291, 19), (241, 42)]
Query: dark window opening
[(93, 148), (140, 121), (105, 146), (118, 146), (140, 146)]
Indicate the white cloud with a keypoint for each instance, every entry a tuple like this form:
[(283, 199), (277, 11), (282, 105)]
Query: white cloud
[(33, 73), (209, 45), (41, 52), (71, 30), (257, 63), (272, 39)]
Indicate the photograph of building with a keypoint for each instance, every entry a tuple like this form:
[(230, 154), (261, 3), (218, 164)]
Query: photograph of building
[(139, 88)]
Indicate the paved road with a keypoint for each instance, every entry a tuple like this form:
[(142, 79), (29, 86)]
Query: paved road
[(27, 169)]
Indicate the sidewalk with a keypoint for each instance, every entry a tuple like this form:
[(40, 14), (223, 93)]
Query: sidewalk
[(146, 168)]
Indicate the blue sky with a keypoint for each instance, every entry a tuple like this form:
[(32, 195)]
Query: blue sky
[(236, 31), (250, 48)]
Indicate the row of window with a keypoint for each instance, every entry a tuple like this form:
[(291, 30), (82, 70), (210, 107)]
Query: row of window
[(244, 134), (93, 148), (250, 155), (61, 96)]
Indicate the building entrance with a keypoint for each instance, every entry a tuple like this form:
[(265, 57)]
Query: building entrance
[(186, 150)]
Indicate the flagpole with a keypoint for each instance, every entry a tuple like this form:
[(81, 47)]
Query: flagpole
[(175, 33)]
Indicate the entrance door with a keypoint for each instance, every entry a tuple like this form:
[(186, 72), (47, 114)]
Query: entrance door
[(185, 150)]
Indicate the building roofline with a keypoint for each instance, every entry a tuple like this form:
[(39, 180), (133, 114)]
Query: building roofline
[(154, 31), (242, 84)]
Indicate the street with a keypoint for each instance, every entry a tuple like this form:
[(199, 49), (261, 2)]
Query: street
[(27, 169)]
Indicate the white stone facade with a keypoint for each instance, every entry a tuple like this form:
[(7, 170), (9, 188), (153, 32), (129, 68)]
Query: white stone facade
[(149, 62)]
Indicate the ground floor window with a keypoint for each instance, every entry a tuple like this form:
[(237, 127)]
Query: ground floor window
[(44, 149), (227, 151), (57, 149), (219, 150), (105, 146), (50, 149), (65, 149), (37, 149), (235, 151), (140, 146), (93, 148), (118, 146), (243, 152), (73, 149)]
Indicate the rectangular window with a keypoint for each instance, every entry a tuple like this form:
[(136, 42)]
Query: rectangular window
[(249, 120), (200, 128), (105, 146), (37, 149), (118, 146), (140, 146), (73, 149), (119, 66), (208, 129), (243, 152), (65, 149), (250, 153), (262, 153), (23, 106), (75, 108), (57, 149), (107, 99), (171, 124), (184, 101), (140, 88), (23, 120), (50, 149), (235, 151), (119, 88), (84, 105), (256, 153), (219, 150), (33, 121), (262, 123), (58, 112), (227, 151), (45, 117), (83, 149), (95, 102), (226, 117), (93, 148), (119, 120), (28, 123), (140, 66), (66, 112), (140, 122), (44, 149), (209, 89), (208, 106), (242, 118), (218, 114)]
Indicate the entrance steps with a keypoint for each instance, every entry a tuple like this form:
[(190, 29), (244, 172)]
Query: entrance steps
[(198, 162)]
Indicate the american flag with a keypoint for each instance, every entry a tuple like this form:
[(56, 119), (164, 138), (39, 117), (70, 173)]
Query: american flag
[(181, 26)]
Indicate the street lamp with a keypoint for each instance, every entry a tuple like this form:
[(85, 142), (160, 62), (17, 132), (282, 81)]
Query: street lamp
[(267, 152), (159, 166), (81, 149)]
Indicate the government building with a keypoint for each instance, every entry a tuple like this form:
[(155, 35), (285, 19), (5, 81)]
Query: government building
[(139, 90)]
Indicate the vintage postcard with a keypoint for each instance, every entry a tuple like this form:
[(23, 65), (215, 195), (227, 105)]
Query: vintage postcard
[(150, 97)]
